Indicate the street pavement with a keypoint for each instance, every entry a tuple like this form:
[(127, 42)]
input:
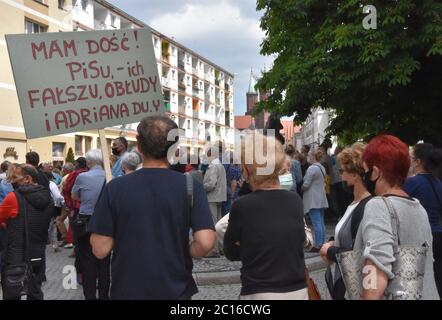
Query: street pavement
[(217, 278)]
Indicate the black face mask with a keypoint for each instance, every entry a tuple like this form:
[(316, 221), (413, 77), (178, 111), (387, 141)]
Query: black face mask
[(347, 187), (115, 152), (15, 185), (370, 185)]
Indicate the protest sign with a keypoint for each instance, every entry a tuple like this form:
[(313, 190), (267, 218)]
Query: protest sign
[(76, 81)]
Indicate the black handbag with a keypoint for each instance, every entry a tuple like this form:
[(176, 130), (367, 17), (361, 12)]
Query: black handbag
[(80, 225), (16, 277)]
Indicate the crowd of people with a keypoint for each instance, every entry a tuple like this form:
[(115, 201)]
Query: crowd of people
[(135, 236)]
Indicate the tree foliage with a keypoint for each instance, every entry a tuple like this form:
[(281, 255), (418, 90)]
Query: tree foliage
[(387, 79), (70, 156)]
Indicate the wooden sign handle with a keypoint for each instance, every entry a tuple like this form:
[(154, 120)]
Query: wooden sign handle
[(105, 151)]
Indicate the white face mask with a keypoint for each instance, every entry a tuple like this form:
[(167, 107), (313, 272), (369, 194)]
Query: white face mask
[(286, 181)]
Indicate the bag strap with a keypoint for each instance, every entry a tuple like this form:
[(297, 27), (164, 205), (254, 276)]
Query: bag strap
[(357, 216), (394, 220), (320, 170)]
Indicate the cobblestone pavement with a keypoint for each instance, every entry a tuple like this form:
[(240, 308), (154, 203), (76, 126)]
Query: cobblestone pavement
[(231, 291), (60, 262)]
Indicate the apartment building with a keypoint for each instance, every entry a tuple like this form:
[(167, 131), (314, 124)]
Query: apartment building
[(198, 94)]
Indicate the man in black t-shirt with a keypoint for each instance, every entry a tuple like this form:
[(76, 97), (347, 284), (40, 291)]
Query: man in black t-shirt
[(145, 218)]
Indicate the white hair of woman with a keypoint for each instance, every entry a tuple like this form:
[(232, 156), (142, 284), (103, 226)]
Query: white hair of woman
[(94, 158)]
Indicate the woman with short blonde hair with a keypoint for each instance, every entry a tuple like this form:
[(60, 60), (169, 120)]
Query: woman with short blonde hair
[(352, 173), (266, 227)]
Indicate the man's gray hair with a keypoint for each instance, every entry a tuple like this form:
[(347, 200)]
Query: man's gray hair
[(94, 157), (131, 160)]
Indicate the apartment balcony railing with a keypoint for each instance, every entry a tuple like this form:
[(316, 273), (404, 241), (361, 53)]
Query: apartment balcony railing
[(181, 64), (218, 101), (207, 96), (217, 82), (207, 77), (181, 87), (165, 58), (181, 109), (194, 70), (195, 93), (167, 106)]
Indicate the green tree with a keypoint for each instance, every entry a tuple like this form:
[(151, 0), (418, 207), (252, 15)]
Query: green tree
[(70, 156), (387, 79)]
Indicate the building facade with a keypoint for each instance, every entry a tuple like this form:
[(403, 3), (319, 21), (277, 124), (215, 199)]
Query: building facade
[(313, 131), (198, 94)]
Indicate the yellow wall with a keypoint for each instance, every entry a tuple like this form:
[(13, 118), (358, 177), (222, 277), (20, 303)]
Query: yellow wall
[(12, 21)]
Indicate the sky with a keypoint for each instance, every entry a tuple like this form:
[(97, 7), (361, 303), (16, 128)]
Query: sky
[(226, 32)]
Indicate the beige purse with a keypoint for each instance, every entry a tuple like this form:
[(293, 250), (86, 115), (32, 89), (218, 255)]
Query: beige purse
[(308, 243)]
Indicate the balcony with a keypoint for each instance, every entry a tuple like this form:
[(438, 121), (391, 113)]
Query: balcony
[(217, 82), (218, 101), (181, 109), (226, 87), (167, 106), (181, 64), (181, 87), (194, 70)]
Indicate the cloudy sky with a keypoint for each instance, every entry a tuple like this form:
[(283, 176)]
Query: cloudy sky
[(226, 32)]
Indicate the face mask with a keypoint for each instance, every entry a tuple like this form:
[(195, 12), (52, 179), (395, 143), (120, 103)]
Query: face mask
[(115, 151), (286, 181), (370, 185), (347, 187)]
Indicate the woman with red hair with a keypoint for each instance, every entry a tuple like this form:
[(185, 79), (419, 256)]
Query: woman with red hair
[(386, 161)]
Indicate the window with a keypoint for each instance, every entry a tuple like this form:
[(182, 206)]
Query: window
[(113, 20), (173, 98), (61, 4), (188, 81), (32, 27), (155, 42), (78, 145), (57, 149), (211, 90), (84, 4), (173, 51), (188, 59), (88, 143), (173, 74), (188, 124)]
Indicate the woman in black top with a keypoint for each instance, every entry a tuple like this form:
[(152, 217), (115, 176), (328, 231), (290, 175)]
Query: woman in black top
[(266, 231)]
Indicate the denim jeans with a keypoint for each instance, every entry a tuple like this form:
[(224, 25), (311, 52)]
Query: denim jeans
[(317, 217)]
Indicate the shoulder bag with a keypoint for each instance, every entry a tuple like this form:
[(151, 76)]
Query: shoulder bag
[(408, 267)]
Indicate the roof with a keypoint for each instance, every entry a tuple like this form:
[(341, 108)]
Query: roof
[(243, 122), (289, 129)]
